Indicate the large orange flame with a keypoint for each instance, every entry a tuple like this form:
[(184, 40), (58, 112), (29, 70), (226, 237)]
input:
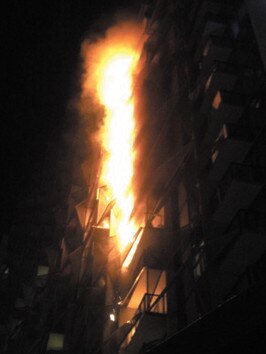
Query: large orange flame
[(115, 93), (111, 65)]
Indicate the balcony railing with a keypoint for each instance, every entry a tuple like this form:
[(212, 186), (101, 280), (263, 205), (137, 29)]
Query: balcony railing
[(232, 132), (250, 220), (219, 76), (208, 23), (222, 76), (227, 107), (148, 300), (240, 132), (247, 173), (146, 306), (237, 171), (229, 98), (217, 41)]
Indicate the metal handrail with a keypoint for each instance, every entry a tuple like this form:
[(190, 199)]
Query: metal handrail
[(145, 306), (149, 302)]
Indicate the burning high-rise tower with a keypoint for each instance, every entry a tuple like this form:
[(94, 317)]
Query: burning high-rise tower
[(160, 245)]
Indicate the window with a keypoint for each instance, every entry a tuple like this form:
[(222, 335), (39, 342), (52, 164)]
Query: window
[(55, 342)]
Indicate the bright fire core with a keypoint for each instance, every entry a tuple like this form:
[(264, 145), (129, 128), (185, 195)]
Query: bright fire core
[(115, 93)]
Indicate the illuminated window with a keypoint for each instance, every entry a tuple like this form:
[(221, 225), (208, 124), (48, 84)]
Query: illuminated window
[(55, 342), (42, 273), (42, 270)]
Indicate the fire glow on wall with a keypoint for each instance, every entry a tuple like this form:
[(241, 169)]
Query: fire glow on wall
[(110, 64)]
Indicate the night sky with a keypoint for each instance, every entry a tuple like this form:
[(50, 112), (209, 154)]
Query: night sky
[(40, 45)]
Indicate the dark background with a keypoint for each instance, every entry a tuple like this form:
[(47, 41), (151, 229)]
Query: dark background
[(40, 47)]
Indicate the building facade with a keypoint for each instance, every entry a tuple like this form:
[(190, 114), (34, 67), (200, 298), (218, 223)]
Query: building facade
[(201, 249)]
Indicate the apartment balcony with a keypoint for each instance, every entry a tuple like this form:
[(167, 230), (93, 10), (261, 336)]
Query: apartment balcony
[(227, 107), (223, 77), (149, 327), (149, 280), (237, 190), (76, 195), (84, 212), (155, 248), (231, 145), (253, 117), (241, 250), (246, 223), (207, 21), (101, 248), (146, 309), (250, 220), (206, 6), (216, 48)]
